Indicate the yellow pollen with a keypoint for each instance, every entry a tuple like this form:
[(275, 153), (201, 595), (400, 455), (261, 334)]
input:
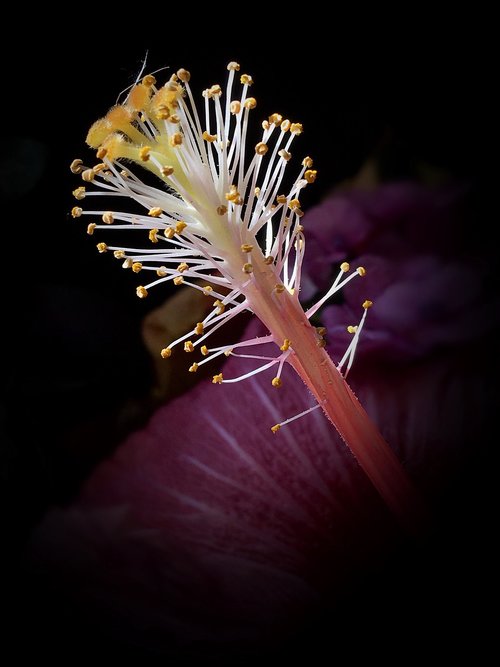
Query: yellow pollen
[(193, 368), (215, 90), (217, 379), (99, 167), (307, 162), (155, 212), (79, 193), (235, 107), (284, 154), (207, 289), (257, 191), (275, 428), (162, 112), (233, 195), (233, 66), (204, 350), (345, 267), (310, 175), (281, 199), (220, 306), (90, 228), (321, 342), (178, 280), (77, 166), (367, 304), (294, 204), (321, 331), (247, 268), (246, 79), (176, 139), (209, 137), (167, 171), (161, 272), (286, 345), (88, 175), (296, 128), (108, 218), (268, 260), (276, 382), (221, 210), (261, 148), (188, 346), (141, 292), (180, 227), (76, 211), (182, 267), (246, 247), (101, 153), (265, 125), (361, 270), (166, 353), (102, 247), (198, 328), (275, 119), (119, 254), (279, 288), (250, 103), (174, 118), (137, 267), (169, 233), (352, 329), (153, 235)]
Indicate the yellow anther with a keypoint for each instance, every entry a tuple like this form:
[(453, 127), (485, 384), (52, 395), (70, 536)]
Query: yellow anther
[(275, 119), (166, 353), (167, 171), (221, 210), (174, 118), (307, 162), (286, 345), (257, 191), (183, 75), (321, 331), (235, 107), (88, 175), (176, 139), (141, 292), (261, 148), (367, 304), (119, 254), (265, 124), (90, 228), (233, 66), (285, 125), (246, 79), (155, 212), (161, 272), (124, 173), (217, 379), (250, 103), (180, 227), (281, 199), (182, 267), (228, 353), (233, 195), (220, 306), (137, 267), (108, 218), (284, 154), (101, 153), (247, 268), (169, 233), (76, 211), (149, 80), (215, 90), (207, 289), (296, 128), (193, 368), (204, 350), (188, 346), (102, 247), (310, 175), (268, 260), (276, 382), (345, 267), (361, 270), (294, 204), (198, 328), (153, 235), (209, 137), (321, 342), (279, 288), (352, 329), (275, 428), (246, 247), (162, 112), (77, 166), (178, 280), (127, 264), (98, 168)]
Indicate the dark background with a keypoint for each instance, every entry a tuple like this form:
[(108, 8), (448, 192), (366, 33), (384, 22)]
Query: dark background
[(75, 376)]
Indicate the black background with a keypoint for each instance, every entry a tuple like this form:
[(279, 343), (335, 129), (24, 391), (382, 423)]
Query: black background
[(74, 371)]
